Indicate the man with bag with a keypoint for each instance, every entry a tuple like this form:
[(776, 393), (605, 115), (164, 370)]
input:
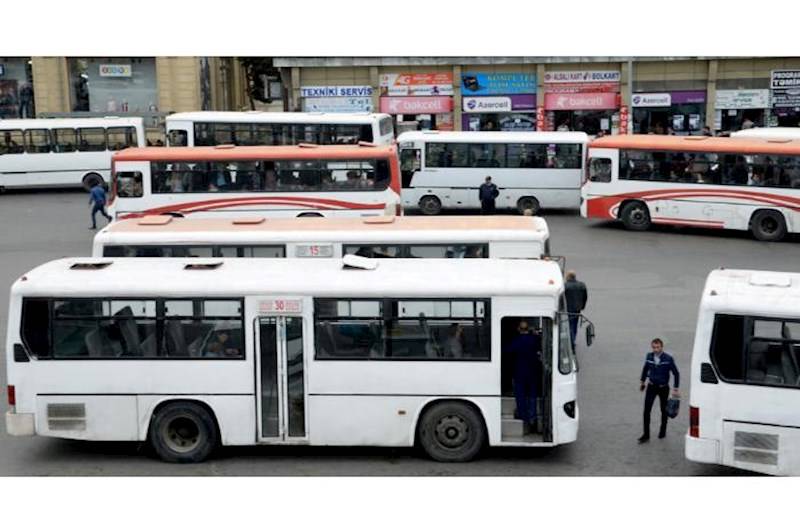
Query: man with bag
[(657, 367), (487, 194)]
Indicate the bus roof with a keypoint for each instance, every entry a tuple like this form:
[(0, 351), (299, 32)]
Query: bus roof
[(448, 229), (230, 152), (495, 136), (700, 144), (787, 133), (38, 123), (276, 116), (753, 291), (467, 278)]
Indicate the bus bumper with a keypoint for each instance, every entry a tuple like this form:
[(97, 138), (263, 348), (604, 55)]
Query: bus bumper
[(702, 450), (19, 424)]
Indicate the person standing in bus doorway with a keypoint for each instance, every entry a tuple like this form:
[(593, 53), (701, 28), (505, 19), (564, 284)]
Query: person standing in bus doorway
[(577, 296), (487, 194), (655, 382), (524, 351), (97, 199)]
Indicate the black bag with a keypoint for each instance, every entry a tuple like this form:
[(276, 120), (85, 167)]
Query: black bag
[(673, 407)]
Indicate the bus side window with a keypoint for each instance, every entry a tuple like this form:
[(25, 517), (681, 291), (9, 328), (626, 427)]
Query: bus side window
[(600, 170), (64, 140), (37, 141), (92, 139), (12, 141)]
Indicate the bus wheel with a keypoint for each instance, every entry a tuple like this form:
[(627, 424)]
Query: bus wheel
[(430, 205), (452, 431), (87, 180), (635, 216), (768, 225), (528, 203), (183, 432)]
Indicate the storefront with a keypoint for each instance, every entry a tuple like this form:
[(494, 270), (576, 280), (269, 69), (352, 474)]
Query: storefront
[(337, 99), (682, 112), (585, 101), (113, 85), (737, 109), (418, 100), (785, 98), (498, 102), (16, 88)]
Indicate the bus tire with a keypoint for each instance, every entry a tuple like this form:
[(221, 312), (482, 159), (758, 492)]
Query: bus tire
[(768, 225), (452, 431), (89, 177), (183, 432), (635, 216), (528, 203), (430, 205)]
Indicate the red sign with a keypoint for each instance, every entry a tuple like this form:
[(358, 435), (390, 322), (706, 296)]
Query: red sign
[(593, 87), (623, 120), (570, 101), (416, 105)]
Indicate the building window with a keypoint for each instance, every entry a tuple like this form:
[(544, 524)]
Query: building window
[(113, 85), (16, 88)]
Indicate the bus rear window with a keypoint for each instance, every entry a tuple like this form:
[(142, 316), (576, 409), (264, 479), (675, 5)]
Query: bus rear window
[(36, 326)]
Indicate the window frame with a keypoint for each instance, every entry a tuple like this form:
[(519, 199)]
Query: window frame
[(50, 145), (93, 129), (215, 248)]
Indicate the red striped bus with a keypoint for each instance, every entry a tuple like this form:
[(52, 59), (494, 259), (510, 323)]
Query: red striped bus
[(238, 181), (710, 182)]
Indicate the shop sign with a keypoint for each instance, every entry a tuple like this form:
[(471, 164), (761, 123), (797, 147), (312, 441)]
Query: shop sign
[(498, 83), (785, 79), (335, 91), (573, 101), (486, 104), (742, 98), (416, 84), (558, 77), (416, 105), (651, 100), (116, 70), (785, 88), (338, 104), (688, 97), (589, 87)]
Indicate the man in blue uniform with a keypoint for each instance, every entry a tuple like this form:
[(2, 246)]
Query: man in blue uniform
[(657, 367), (524, 350), (97, 199)]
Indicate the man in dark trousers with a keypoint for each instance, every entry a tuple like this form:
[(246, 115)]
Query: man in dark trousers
[(524, 351), (657, 366), (575, 292), (97, 199), (487, 194)]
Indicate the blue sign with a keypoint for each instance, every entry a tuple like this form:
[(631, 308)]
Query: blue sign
[(498, 83)]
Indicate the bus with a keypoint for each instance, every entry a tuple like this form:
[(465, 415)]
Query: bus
[(375, 237), (270, 128), (235, 181), (442, 170), (745, 384), (63, 152), (711, 182), (188, 354), (769, 133)]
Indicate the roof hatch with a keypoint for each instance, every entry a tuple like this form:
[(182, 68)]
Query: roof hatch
[(155, 220), (356, 262), (771, 280)]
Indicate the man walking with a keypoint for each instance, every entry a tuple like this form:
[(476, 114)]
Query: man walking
[(97, 199), (487, 194), (524, 352), (575, 292), (657, 366)]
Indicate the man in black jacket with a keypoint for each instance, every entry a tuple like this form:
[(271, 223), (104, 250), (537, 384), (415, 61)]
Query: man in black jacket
[(657, 367), (487, 193), (576, 295)]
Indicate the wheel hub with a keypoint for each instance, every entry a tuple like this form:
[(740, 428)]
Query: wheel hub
[(451, 431), (181, 434)]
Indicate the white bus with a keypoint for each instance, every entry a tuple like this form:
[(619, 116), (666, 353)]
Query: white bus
[(269, 128), (237, 181), (710, 182), (192, 353), (769, 133), (745, 385), (378, 237), (443, 169), (63, 152)]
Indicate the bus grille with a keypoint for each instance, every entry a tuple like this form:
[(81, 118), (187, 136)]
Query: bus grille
[(66, 416), (752, 447)]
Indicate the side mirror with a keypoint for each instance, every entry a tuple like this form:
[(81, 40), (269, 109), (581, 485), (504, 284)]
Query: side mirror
[(589, 334)]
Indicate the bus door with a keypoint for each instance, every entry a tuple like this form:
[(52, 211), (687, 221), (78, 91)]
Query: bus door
[(410, 163), (281, 379)]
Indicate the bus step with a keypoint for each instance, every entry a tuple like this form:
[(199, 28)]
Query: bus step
[(509, 405), (512, 428)]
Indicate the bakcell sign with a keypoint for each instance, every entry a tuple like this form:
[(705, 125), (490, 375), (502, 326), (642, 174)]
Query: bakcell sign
[(116, 70), (416, 105), (570, 101), (651, 100), (556, 77), (486, 104)]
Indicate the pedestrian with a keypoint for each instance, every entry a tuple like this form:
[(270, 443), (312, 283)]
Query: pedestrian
[(707, 132), (527, 369), (487, 194), (577, 296), (655, 380), (97, 199)]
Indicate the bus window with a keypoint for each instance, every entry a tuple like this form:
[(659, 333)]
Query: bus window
[(12, 142), (129, 184), (37, 141), (252, 251), (224, 133), (92, 139), (600, 170), (568, 156), (266, 134), (244, 135), (121, 138), (487, 155), (381, 251), (410, 163), (204, 134), (454, 251), (177, 138), (386, 126), (64, 140)]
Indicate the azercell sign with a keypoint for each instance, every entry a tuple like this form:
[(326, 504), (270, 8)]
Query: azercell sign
[(651, 100), (486, 104), (335, 91)]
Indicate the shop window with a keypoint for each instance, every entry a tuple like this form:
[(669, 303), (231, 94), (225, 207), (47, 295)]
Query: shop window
[(64, 140), (37, 141), (91, 139), (12, 142)]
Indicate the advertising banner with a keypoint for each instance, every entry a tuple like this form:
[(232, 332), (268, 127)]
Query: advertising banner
[(651, 100), (116, 70), (742, 98), (416, 105), (573, 101), (579, 77), (338, 104), (498, 83), (785, 88), (416, 84), (498, 104)]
